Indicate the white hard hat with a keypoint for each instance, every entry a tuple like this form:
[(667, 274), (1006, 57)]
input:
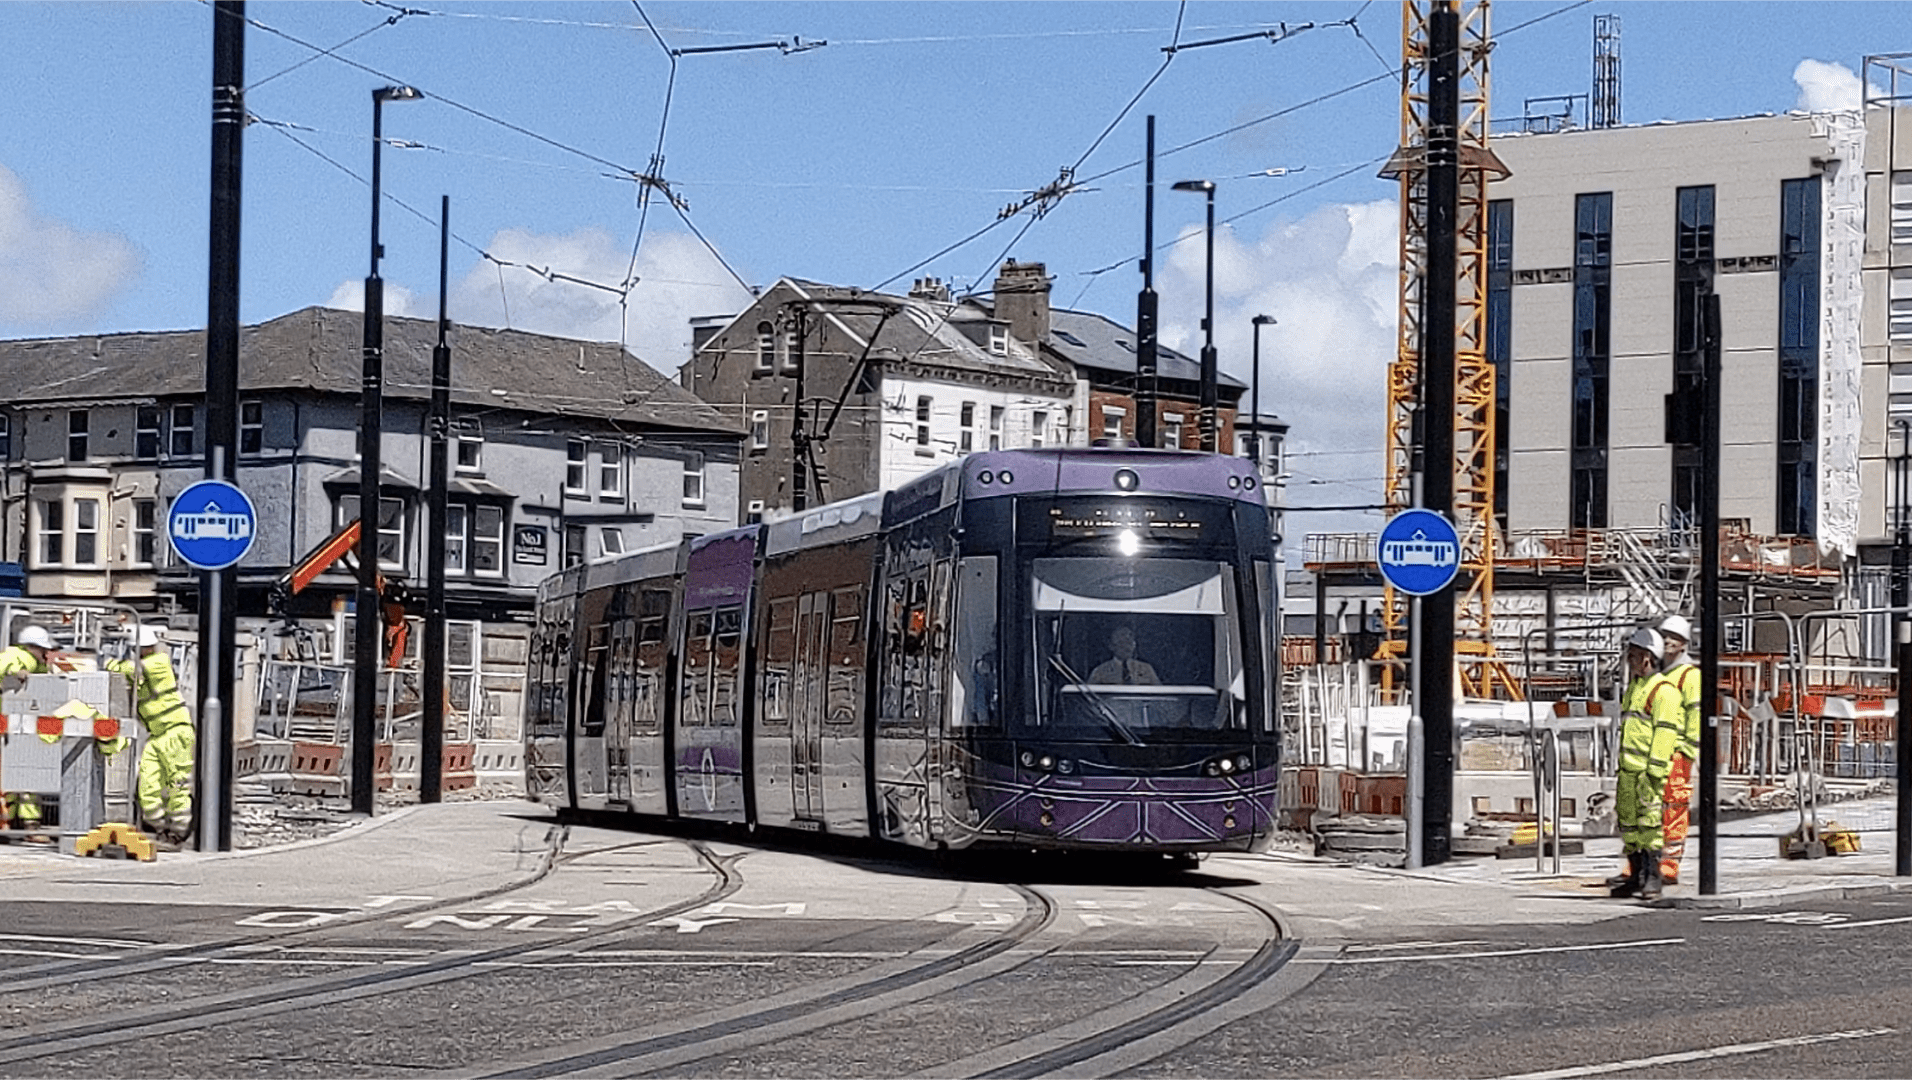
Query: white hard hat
[(1677, 626), (35, 635), (148, 635), (1648, 640)]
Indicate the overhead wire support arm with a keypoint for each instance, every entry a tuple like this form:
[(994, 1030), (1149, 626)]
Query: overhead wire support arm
[(1044, 198), (794, 45), (1273, 36)]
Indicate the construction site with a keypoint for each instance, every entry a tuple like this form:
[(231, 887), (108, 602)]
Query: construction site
[(1576, 504)]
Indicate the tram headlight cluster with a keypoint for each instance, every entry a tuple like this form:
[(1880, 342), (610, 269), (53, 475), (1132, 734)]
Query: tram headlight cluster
[(1047, 762), (987, 477), (1241, 483), (1227, 765)]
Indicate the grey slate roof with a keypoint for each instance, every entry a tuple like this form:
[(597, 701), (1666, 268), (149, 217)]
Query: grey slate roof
[(319, 349), (928, 332), (1094, 341)]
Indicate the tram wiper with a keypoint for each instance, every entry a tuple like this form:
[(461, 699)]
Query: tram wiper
[(1100, 702)]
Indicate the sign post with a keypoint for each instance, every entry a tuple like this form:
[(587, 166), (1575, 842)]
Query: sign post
[(1419, 553), (211, 526)]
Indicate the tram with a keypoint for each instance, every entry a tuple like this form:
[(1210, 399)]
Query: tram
[(1057, 648)]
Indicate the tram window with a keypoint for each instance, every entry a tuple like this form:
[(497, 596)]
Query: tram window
[(975, 696), (1268, 618), (653, 614), (780, 650), (844, 688)]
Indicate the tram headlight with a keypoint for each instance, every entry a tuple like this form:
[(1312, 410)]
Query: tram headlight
[(1065, 766), (1126, 480), (1028, 760), (1234, 482), (1006, 476), (1127, 542), (1046, 763), (1213, 769), (985, 477), (1227, 765), (1244, 763)]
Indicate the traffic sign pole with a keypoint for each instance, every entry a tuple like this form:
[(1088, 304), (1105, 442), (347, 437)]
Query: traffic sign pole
[(211, 526)]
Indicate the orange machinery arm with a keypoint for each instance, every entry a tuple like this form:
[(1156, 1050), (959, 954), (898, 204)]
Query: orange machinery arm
[(321, 558)]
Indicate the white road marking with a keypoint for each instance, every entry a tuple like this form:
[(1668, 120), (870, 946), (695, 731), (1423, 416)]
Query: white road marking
[(106, 943), (690, 926), (752, 910), (1733, 1050), (288, 920), (1492, 952), (1872, 922), (622, 963), (51, 952), (1412, 945), (388, 901)]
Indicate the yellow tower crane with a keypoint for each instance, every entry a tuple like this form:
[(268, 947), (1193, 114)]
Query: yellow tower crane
[(1481, 674)]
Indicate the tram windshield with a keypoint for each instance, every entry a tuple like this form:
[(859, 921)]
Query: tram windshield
[(1137, 650)]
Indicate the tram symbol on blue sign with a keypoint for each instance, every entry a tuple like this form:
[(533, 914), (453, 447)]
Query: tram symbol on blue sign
[(211, 525), (1419, 552)]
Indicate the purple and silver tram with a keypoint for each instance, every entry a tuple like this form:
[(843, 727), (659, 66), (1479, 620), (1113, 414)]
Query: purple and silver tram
[(1064, 648)]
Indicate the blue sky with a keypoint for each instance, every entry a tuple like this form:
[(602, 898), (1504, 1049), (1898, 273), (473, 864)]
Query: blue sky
[(850, 163)]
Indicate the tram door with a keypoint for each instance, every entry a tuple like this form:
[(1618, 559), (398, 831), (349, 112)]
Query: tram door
[(806, 727)]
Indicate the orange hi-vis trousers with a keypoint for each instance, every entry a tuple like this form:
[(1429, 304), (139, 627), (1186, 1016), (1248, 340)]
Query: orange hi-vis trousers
[(1679, 801)]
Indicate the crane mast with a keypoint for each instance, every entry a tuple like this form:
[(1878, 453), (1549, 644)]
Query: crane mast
[(1481, 674)]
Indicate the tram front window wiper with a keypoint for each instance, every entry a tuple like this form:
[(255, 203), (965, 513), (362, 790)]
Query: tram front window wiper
[(1101, 703)]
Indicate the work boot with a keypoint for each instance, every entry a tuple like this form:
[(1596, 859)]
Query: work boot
[(1669, 872), (1631, 885), (1620, 879), (1650, 882)]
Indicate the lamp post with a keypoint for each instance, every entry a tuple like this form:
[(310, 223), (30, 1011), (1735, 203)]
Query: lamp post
[(366, 650), (1207, 187), (1254, 378)]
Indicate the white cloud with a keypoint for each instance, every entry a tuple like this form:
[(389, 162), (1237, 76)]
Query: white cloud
[(50, 272), (1824, 86), (1330, 280), (677, 279), (399, 300)]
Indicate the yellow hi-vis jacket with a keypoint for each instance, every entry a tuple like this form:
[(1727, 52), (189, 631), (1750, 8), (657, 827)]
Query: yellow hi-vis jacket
[(1652, 725), (160, 706), (16, 660), (1685, 677)]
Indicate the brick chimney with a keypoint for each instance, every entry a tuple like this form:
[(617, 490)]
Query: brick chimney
[(934, 289), (1022, 300)]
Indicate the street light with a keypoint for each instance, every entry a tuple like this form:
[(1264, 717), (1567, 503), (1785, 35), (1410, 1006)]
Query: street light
[(1207, 187), (366, 647), (1254, 419)]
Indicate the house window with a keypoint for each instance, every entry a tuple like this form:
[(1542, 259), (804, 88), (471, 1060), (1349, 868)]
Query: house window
[(146, 433), (76, 427), (999, 341), (488, 541), (792, 350), (1899, 322), (610, 541), (1500, 333), (1171, 431), (995, 427), (611, 471), (1592, 321), (471, 446), (766, 346), (575, 452), (694, 480), (1798, 494), (1038, 428), (52, 532), (1112, 421), (1693, 265), (760, 429), (86, 532), (145, 531), (922, 427), (966, 438), (457, 536), (391, 528), (252, 427), (6, 437), (1902, 207), (573, 545), (182, 437), (753, 513)]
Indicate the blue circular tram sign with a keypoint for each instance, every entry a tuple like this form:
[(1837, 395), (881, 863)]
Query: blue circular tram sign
[(211, 525), (1419, 552)]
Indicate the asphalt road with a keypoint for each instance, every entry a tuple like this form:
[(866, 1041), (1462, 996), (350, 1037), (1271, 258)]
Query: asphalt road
[(639, 955)]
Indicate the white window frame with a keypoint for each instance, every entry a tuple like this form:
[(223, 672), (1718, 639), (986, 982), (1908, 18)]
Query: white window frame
[(577, 459), (610, 541), (6, 437), (482, 540), (252, 421), (470, 436), (1901, 224), (1112, 417), (996, 413), (695, 490), (457, 533), (86, 534), (397, 533), (753, 512), (79, 423), (766, 349), (787, 348), (143, 535), (610, 483), (1039, 428), (45, 530), (174, 429), (998, 340), (924, 406), (966, 432), (1172, 430), (759, 430)]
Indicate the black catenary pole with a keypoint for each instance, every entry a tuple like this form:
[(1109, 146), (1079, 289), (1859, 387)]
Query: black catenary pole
[(1435, 642), (1709, 602), (431, 731), (217, 608), (1145, 312)]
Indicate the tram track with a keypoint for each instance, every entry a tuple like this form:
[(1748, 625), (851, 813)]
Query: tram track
[(209, 1011), (36, 977)]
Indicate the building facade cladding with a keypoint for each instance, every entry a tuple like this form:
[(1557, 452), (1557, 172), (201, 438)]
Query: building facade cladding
[(1622, 231), (1886, 345), (95, 528)]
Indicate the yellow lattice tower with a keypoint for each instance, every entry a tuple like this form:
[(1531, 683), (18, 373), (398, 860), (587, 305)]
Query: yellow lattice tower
[(1473, 462)]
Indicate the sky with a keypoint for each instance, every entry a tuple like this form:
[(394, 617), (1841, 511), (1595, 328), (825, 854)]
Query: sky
[(893, 152)]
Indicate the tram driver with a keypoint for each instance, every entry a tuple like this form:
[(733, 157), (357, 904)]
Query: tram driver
[(1123, 668)]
